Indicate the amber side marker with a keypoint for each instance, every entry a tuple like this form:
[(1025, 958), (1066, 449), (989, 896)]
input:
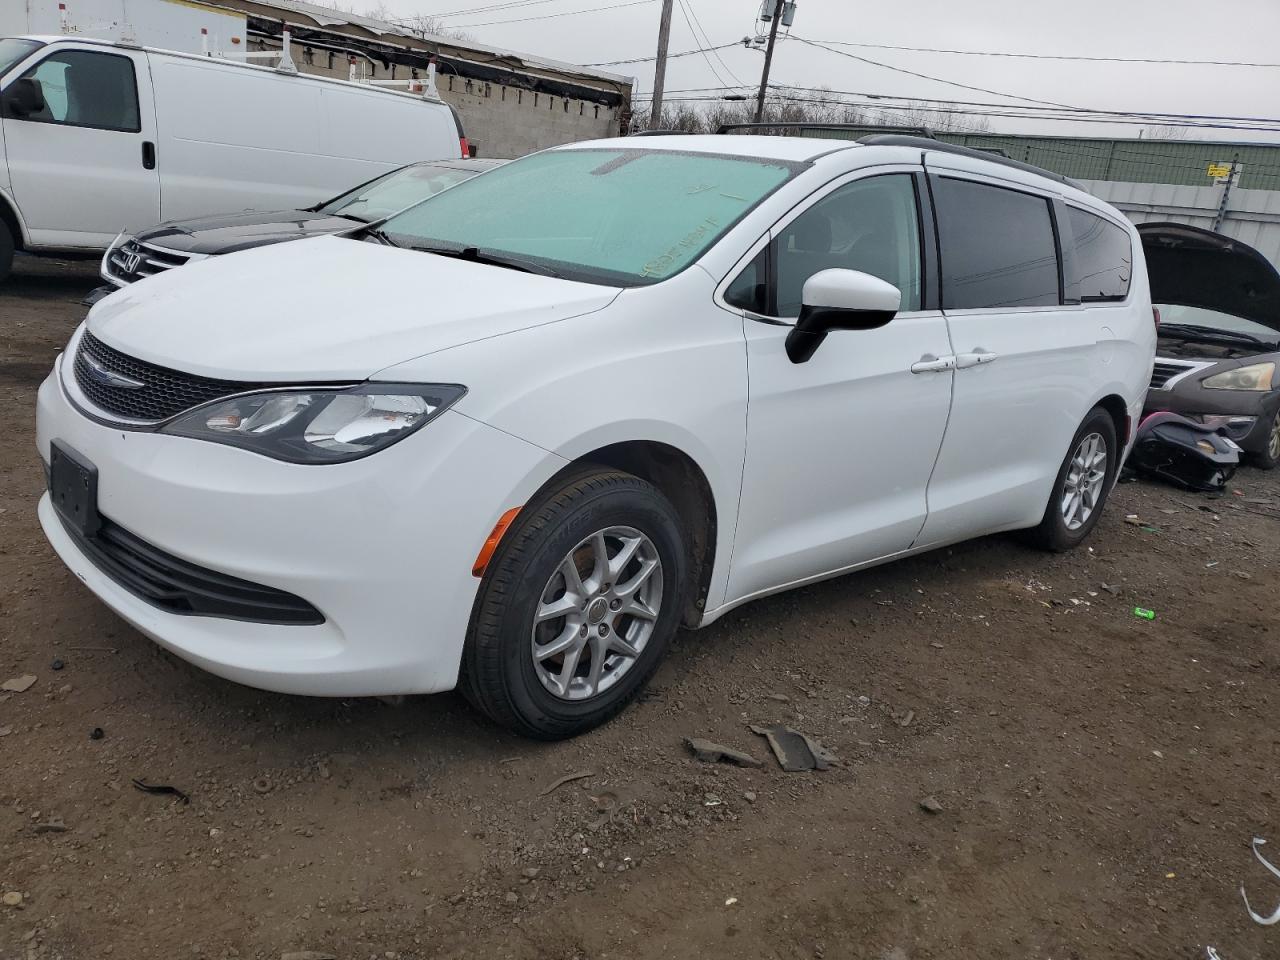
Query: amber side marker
[(491, 544)]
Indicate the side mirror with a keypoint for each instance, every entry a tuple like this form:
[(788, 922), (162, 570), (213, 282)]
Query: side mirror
[(840, 300), (24, 97)]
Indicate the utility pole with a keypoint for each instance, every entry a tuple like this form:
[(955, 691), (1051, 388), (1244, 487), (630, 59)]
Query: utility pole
[(660, 70), (768, 59)]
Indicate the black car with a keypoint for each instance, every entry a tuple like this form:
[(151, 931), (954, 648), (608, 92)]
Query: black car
[(1219, 340), (180, 242)]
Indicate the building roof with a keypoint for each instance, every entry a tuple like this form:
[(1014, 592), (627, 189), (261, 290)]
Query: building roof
[(301, 13)]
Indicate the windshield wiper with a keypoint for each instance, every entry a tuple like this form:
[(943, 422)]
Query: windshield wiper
[(351, 216), (492, 259), (381, 236), (1191, 331)]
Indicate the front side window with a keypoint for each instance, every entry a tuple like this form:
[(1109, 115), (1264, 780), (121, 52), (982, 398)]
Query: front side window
[(84, 89), (12, 50), (1104, 257), (998, 247), (397, 190), (870, 225), (624, 217)]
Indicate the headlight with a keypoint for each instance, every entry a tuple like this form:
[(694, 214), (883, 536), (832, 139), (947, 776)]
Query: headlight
[(1258, 376), (318, 426)]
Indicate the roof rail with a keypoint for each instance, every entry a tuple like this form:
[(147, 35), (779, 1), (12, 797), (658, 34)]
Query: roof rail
[(941, 146), (659, 133), (830, 127)]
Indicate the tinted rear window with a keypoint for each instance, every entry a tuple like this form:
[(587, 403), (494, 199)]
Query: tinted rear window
[(998, 248), (1104, 257)]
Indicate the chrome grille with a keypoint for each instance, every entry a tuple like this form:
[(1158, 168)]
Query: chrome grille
[(133, 260), (164, 393), (1166, 370)]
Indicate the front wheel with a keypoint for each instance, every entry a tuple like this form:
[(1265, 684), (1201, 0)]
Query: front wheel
[(576, 607), (1081, 487), (7, 245), (1268, 458)]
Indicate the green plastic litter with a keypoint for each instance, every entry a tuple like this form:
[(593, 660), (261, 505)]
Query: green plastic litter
[(1144, 613)]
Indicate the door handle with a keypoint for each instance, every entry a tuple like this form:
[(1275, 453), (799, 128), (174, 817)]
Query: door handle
[(931, 364), (148, 155), (978, 356)]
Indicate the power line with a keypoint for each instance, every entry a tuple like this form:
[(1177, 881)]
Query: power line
[(693, 33), (925, 76), (706, 39), (1052, 56), (509, 4), (670, 56), (550, 16)]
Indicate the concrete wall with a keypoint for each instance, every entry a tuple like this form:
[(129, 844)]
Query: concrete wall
[(1251, 216), (500, 120)]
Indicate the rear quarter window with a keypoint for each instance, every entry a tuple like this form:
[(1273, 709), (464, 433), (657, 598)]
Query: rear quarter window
[(998, 247), (1104, 257)]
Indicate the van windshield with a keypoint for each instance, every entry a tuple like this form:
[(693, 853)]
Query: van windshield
[(12, 50), (623, 217)]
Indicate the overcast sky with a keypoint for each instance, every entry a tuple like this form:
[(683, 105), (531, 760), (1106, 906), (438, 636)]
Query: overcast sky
[(1243, 30)]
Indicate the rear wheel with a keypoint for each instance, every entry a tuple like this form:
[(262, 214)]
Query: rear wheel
[(1080, 490), (577, 606), (1268, 458)]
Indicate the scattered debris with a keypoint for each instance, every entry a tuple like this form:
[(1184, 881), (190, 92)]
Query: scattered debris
[(795, 751), (1275, 872), (1213, 954), (1111, 588), (261, 785), (6, 730), (307, 955), (567, 778), (161, 788), (52, 826), (97, 733), (56, 664), (709, 752), (931, 805), (749, 796), (731, 901), (19, 684), (13, 899), (904, 719), (780, 697), (1144, 613), (711, 800)]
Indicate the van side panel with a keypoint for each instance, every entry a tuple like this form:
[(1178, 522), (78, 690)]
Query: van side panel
[(234, 137)]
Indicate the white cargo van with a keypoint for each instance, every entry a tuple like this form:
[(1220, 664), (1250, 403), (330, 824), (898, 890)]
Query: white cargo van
[(101, 136)]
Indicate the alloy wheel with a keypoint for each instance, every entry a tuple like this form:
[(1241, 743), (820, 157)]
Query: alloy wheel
[(1082, 486), (597, 613), (1273, 442)]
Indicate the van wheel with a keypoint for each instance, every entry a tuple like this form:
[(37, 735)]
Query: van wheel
[(576, 607), (6, 252), (1081, 488)]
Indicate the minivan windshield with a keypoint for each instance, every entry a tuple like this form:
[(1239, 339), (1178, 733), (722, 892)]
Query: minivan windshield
[(12, 50), (622, 217)]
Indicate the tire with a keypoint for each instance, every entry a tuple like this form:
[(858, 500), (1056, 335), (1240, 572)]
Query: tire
[(1268, 458), (502, 674), (6, 252), (1055, 532)]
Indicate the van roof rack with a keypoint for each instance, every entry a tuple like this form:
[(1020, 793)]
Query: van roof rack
[(941, 146)]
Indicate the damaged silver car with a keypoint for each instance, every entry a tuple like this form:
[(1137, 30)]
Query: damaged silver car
[(1219, 344)]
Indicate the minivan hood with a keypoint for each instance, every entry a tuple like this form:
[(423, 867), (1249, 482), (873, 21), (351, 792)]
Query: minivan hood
[(1192, 267), (326, 309), (230, 232)]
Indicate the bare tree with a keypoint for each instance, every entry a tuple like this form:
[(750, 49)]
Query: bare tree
[(423, 25), (781, 111), (1166, 133)]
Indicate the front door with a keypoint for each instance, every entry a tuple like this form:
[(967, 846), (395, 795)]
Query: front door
[(84, 167), (839, 448)]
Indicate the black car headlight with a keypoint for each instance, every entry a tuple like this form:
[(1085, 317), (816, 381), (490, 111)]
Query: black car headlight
[(317, 425)]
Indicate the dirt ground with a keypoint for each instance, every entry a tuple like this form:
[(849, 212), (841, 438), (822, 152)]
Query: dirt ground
[(1099, 775)]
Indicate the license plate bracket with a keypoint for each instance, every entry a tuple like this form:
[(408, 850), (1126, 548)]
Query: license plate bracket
[(73, 488)]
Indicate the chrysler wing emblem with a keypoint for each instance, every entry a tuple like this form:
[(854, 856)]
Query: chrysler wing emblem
[(109, 378)]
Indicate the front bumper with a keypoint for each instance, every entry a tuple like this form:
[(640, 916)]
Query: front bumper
[(382, 546), (1246, 415)]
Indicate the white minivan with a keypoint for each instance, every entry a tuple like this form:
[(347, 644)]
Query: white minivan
[(511, 438), (101, 136)]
